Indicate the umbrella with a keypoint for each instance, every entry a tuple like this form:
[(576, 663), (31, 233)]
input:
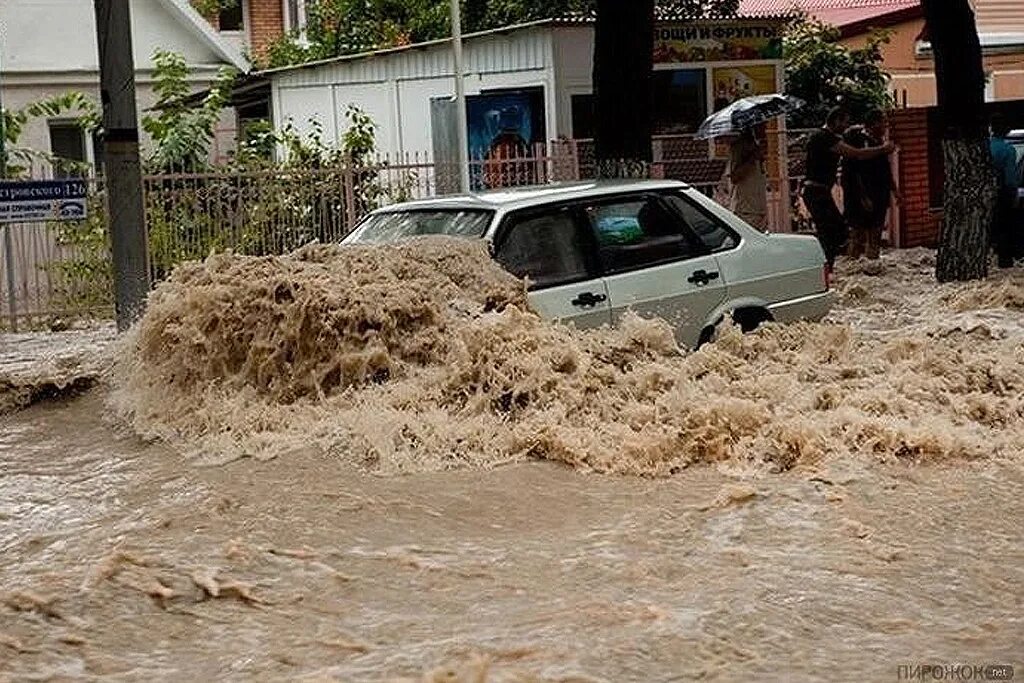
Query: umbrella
[(745, 113)]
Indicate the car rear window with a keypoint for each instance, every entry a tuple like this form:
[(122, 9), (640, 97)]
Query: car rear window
[(397, 225)]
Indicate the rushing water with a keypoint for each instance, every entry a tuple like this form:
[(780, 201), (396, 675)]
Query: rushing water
[(891, 534)]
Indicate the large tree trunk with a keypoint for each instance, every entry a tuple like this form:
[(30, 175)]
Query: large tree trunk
[(623, 66), (970, 188)]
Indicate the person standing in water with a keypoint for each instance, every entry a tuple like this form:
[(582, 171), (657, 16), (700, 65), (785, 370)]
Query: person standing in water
[(868, 188), (1004, 164), (749, 196), (825, 148)]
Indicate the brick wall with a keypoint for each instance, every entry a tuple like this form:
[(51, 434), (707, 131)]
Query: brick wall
[(266, 24), (919, 225)]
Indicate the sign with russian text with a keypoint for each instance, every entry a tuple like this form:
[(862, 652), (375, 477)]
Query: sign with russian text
[(29, 201), (718, 41)]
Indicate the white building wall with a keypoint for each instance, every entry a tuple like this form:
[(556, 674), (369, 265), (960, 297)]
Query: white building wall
[(396, 88), (48, 47), (376, 101), (307, 107), (56, 36), (574, 65)]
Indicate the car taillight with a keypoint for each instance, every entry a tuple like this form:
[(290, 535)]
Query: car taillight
[(826, 276)]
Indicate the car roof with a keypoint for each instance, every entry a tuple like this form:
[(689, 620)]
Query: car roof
[(513, 198)]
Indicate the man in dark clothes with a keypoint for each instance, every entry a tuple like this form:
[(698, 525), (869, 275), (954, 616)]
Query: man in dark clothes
[(1004, 163), (825, 148), (868, 187)]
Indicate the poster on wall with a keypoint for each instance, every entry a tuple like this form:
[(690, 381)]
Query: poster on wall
[(503, 128), (736, 82), (717, 41)]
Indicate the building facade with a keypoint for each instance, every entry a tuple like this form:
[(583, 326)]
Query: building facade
[(49, 48), (544, 69), (907, 58), (252, 26)]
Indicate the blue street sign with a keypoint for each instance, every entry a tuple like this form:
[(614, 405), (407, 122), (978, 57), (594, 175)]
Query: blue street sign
[(29, 201)]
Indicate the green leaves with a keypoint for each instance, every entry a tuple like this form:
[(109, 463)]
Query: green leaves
[(211, 7), (341, 27), (180, 130), (825, 73), (71, 104)]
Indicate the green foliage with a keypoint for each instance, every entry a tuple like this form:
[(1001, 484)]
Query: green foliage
[(341, 27), (181, 131), (210, 7), (73, 104), (261, 206), (825, 73), (360, 140), (84, 281)]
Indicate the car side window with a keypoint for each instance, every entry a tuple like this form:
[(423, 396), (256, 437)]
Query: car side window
[(549, 248), (638, 233), (715, 236)]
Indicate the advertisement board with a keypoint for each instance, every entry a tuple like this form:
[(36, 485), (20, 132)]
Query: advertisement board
[(719, 41), (503, 129)]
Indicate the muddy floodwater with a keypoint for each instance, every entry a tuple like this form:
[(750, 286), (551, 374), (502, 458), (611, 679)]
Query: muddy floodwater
[(450, 490)]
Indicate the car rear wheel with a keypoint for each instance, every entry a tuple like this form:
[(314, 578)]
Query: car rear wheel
[(747, 319)]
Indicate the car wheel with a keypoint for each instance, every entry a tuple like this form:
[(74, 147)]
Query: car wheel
[(749, 319), (709, 335)]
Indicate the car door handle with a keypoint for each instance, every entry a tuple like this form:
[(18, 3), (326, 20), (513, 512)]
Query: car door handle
[(588, 299), (702, 277)]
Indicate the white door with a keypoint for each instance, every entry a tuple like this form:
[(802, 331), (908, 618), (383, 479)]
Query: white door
[(655, 265), (555, 250)]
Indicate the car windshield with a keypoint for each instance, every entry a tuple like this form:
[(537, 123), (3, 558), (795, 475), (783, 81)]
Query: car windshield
[(398, 225)]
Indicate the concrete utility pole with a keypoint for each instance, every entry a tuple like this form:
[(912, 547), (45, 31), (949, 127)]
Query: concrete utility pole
[(122, 167), (462, 139), (12, 299), (3, 122)]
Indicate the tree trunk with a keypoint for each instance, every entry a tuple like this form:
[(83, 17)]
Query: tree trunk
[(970, 194), (970, 187), (623, 97)]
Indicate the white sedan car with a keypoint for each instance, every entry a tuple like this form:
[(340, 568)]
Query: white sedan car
[(592, 251)]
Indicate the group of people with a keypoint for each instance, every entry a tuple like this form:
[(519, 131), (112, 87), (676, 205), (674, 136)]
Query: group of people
[(857, 157), (869, 187), (868, 184)]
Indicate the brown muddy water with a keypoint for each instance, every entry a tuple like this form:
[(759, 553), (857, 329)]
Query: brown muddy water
[(402, 476)]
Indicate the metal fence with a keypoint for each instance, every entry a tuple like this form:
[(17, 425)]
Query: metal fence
[(53, 273)]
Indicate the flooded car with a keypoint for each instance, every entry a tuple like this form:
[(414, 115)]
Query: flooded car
[(593, 251)]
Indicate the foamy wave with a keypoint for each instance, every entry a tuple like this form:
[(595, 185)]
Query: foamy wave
[(426, 356)]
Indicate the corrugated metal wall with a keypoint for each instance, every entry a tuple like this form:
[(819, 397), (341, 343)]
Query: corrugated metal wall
[(520, 50)]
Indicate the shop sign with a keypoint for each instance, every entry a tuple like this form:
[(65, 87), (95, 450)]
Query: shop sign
[(718, 41)]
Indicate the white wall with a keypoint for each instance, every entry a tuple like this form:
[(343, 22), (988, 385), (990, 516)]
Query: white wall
[(396, 88), (36, 134), (55, 36), (303, 106), (48, 47), (405, 102), (377, 100), (574, 60)]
